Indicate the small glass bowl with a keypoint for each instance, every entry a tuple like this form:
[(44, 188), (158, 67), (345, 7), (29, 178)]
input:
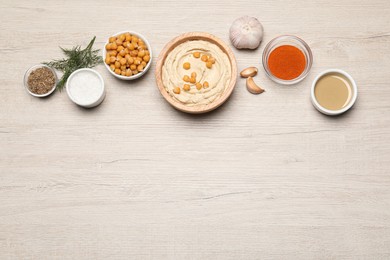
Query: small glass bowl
[(28, 74), (293, 41)]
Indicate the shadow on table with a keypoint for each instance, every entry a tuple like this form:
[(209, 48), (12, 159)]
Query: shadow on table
[(209, 115), (348, 114)]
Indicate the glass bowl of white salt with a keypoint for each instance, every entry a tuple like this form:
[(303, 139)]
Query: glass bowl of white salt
[(85, 87)]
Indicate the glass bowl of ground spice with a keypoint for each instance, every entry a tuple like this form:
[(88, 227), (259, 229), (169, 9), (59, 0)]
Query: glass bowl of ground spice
[(40, 80), (287, 59)]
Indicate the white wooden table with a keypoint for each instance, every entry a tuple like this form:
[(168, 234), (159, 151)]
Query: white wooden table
[(263, 177)]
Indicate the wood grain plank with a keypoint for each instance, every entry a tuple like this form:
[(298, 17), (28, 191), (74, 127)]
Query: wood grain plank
[(262, 177)]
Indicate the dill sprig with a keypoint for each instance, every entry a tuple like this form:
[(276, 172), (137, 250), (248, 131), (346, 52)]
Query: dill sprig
[(77, 58)]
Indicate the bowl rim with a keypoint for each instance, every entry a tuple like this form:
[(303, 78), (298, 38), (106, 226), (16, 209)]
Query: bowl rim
[(309, 58), (27, 73), (70, 95), (328, 111), (148, 65), (188, 37)]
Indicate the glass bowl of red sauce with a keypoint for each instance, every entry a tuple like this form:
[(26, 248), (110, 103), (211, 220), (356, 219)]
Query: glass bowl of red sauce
[(287, 59)]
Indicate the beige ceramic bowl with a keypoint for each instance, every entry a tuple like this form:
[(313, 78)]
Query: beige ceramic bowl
[(190, 37)]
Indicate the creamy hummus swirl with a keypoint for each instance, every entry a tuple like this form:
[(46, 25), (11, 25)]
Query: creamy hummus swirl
[(218, 76)]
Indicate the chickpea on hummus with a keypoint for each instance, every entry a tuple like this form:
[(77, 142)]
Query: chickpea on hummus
[(196, 73)]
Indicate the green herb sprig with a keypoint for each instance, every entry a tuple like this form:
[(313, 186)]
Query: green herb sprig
[(77, 58)]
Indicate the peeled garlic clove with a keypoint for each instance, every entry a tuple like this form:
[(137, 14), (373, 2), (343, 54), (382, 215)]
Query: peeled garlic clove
[(249, 72), (252, 87), (246, 33)]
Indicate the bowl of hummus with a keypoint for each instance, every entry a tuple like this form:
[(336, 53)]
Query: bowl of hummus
[(196, 72)]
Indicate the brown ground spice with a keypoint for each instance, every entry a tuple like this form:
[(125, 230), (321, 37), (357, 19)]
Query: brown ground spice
[(41, 81)]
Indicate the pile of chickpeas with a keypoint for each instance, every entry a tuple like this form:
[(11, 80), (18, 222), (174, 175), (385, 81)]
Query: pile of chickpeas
[(208, 60), (127, 55)]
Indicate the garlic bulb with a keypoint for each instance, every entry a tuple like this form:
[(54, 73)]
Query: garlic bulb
[(246, 33)]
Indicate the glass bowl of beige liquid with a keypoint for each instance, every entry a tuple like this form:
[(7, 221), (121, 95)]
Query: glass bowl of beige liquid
[(333, 92)]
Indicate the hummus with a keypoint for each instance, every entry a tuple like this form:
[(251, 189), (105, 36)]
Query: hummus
[(218, 76)]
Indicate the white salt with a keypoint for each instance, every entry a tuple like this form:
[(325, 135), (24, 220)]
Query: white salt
[(85, 87)]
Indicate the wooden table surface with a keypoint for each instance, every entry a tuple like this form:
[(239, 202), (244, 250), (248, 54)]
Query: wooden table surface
[(263, 177)]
